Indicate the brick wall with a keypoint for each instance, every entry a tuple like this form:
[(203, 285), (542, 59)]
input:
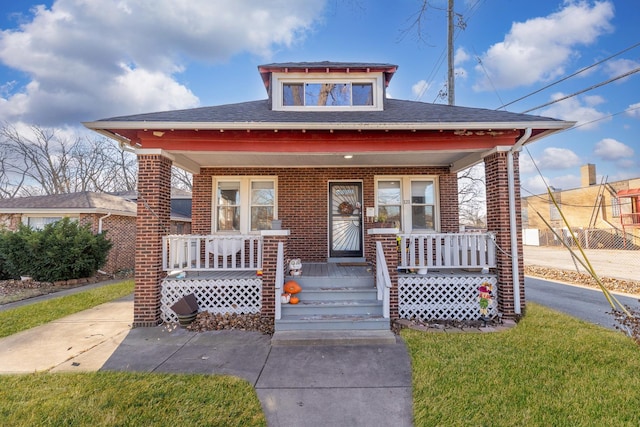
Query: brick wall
[(498, 221), (121, 231), (303, 200), (153, 222)]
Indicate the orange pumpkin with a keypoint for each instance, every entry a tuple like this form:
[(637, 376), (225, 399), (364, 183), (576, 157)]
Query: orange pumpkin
[(294, 300), (292, 287)]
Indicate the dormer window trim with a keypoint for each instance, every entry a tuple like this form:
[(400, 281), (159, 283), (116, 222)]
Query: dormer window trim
[(279, 80)]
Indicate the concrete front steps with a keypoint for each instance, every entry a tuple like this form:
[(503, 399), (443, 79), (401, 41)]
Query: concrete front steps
[(346, 304)]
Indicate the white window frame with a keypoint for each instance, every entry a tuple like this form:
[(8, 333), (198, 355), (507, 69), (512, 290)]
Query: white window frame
[(245, 201), (406, 225), (279, 79)]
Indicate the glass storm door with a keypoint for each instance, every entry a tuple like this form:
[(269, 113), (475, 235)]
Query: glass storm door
[(345, 219)]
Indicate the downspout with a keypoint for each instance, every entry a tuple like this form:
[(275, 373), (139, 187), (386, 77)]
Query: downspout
[(515, 271), (100, 222)]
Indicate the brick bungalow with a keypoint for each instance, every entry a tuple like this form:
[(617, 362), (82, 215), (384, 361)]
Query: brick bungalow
[(364, 190), (113, 214)]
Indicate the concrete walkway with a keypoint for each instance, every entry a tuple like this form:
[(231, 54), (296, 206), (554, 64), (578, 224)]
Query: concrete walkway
[(297, 386), (335, 385), (76, 343)]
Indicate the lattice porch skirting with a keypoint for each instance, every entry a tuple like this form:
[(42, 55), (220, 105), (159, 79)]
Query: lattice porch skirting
[(443, 297), (240, 296)]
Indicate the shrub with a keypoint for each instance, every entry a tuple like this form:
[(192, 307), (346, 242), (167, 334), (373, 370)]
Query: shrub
[(18, 251), (62, 250)]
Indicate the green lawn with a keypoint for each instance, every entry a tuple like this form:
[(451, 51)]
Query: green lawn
[(550, 370), (128, 399), (29, 316)]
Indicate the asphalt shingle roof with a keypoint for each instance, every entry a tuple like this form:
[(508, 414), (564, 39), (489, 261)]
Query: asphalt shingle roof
[(395, 111), (85, 200)]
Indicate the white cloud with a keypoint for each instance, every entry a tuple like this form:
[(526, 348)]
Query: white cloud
[(572, 109), (617, 67), (73, 53), (420, 88), (461, 56), (538, 184), (557, 158), (634, 110), (610, 149), (526, 164), (540, 48), (534, 185)]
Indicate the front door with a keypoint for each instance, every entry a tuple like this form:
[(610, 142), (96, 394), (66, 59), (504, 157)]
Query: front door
[(345, 219)]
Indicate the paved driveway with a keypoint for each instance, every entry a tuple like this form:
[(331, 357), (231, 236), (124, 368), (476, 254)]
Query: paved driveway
[(619, 264), (584, 303)]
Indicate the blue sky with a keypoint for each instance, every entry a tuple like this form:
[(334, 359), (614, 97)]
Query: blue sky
[(67, 61)]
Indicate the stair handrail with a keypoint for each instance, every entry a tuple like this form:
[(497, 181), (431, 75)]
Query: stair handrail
[(279, 279), (383, 280)]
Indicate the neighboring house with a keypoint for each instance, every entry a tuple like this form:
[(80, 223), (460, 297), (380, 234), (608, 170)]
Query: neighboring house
[(603, 214), (327, 154), (115, 215)]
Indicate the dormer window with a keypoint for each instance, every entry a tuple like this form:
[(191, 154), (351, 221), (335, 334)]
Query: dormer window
[(327, 94), (327, 91)]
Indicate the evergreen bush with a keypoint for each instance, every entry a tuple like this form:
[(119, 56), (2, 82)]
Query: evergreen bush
[(61, 251)]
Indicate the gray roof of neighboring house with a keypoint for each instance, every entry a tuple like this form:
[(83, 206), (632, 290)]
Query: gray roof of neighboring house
[(395, 111), (81, 202), (84, 201)]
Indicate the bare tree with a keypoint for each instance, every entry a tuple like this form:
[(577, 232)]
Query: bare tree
[(472, 196), (41, 161), (181, 179)]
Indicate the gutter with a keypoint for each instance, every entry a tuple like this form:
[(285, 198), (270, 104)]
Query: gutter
[(515, 271), (323, 125), (100, 222)]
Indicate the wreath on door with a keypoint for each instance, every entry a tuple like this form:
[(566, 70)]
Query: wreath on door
[(345, 208)]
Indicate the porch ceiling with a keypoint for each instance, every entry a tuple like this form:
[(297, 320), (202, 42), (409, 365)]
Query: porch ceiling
[(198, 159)]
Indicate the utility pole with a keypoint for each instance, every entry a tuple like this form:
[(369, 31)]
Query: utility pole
[(451, 91)]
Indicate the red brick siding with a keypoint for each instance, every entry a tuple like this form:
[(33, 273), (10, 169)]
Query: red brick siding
[(269, 266), (121, 231), (498, 221), (303, 200), (153, 222)]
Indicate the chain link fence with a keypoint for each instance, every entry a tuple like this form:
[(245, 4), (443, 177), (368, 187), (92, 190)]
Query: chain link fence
[(612, 252)]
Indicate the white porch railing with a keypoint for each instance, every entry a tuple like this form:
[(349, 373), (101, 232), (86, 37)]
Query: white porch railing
[(211, 252), (450, 250), (383, 281)]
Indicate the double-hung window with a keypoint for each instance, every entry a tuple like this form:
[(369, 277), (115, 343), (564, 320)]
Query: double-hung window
[(244, 204), (409, 201)]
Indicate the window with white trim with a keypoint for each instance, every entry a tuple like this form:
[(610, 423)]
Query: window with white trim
[(410, 201), (340, 91), (244, 204), (38, 222)]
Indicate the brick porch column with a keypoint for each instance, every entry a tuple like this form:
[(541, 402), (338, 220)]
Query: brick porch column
[(202, 204), (497, 187), (271, 238), (387, 236), (153, 222)]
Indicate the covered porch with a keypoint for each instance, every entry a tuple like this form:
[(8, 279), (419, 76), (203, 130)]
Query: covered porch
[(419, 276)]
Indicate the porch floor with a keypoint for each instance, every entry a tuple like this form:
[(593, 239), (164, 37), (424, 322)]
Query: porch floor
[(336, 269), (310, 269)]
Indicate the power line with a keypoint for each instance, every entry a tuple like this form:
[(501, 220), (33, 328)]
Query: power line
[(569, 76), (469, 12), (621, 76)]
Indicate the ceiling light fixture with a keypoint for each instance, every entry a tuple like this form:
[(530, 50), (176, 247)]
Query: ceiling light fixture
[(348, 156)]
